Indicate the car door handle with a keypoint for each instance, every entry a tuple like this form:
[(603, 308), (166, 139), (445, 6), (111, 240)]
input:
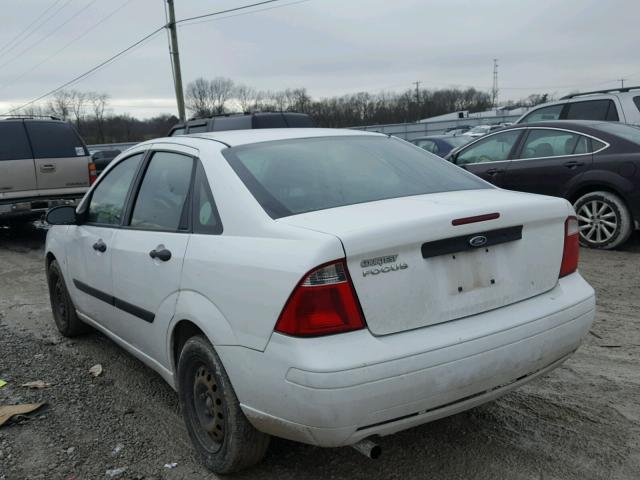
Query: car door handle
[(573, 164), (100, 246), (47, 168), (494, 171), (160, 253)]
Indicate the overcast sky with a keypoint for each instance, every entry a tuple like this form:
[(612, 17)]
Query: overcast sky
[(331, 47)]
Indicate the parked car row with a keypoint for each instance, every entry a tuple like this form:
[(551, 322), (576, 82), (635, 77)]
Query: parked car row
[(594, 165)]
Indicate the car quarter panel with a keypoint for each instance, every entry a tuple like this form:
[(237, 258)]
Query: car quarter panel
[(249, 271)]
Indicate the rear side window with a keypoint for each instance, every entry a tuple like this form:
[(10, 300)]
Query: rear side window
[(272, 120), (161, 201), (107, 200), (545, 113), (54, 140), (176, 132), (14, 144), (205, 214), (636, 100), (542, 143), (303, 175), (198, 128), (592, 110)]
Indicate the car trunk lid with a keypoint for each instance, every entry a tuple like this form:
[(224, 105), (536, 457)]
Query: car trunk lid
[(411, 267)]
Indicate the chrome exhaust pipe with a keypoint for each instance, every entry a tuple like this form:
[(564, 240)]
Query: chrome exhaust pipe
[(368, 448)]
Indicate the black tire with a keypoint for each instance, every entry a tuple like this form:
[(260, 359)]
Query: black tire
[(64, 312), (220, 432), (604, 219)]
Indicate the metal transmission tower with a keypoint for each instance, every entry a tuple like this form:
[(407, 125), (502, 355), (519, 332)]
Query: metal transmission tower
[(494, 89)]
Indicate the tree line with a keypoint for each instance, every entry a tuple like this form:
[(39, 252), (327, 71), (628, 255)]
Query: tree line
[(90, 112)]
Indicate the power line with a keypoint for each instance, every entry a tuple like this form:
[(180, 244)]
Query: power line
[(90, 71), (43, 38), (245, 13), (221, 12), (26, 29), (67, 45), (42, 23), (129, 48)]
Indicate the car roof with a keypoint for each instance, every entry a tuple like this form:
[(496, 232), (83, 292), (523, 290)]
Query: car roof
[(234, 138), (566, 124), (437, 137)]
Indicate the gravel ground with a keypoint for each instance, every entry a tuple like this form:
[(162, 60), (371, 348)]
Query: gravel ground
[(582, 421)]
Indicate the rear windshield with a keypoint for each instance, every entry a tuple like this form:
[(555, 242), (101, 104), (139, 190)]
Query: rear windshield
[(55, 140), (304, 175), (627, 132)]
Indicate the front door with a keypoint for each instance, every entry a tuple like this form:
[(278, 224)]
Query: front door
[(149, 250), (90, 251), (488, 157), (548, 161)]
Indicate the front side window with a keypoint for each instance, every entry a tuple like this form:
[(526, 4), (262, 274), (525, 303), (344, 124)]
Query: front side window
[(198, 128), (491, 149), (636, 100), (288, 177), (177, 131), (544, 114), (542, 143), (162, 197), (108, 198), (592, 110)]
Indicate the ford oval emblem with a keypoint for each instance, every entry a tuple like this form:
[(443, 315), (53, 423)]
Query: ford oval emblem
[(477, 241)]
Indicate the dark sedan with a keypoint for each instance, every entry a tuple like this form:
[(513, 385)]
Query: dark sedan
[(441, 145), (594, 165)]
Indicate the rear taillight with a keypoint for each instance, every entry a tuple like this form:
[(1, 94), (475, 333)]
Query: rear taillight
[(323, 303), (571, 247), (93, 176)]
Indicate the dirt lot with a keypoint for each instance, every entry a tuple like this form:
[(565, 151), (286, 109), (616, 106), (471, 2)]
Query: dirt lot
[(582, 421)]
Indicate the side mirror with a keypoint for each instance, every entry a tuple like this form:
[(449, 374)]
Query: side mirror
[(453, 157), (62, 215)]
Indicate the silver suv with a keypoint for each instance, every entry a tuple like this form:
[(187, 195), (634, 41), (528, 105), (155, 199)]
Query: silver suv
[(615, 105), (43, 162)]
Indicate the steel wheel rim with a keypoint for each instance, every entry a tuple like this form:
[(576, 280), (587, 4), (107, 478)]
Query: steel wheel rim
[(597, 221), (209, 409)]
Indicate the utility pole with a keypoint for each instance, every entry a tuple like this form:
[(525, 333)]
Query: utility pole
[(494, 89), (175, 60)]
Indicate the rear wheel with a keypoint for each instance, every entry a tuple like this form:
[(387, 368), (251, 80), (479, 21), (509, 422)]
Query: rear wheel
[(604, 220), (220, 432), (64, 312)]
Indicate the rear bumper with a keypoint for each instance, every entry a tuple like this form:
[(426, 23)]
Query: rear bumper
[(35, 206), (337, 390)]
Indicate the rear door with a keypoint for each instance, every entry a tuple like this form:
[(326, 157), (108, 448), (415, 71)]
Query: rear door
[(149, 250), (17, 171), (61, 158), (548, 161), (488, 158)]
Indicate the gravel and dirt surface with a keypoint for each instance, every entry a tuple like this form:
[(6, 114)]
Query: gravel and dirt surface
[(581, 421)]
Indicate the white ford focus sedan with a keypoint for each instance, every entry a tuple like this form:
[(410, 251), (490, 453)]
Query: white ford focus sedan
[(324, 286)]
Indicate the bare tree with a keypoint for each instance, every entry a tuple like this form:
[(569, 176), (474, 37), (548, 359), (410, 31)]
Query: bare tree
[(78, 107), (247, 97), (198, 98), (60, 104), (221, 91), (98, 103)]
